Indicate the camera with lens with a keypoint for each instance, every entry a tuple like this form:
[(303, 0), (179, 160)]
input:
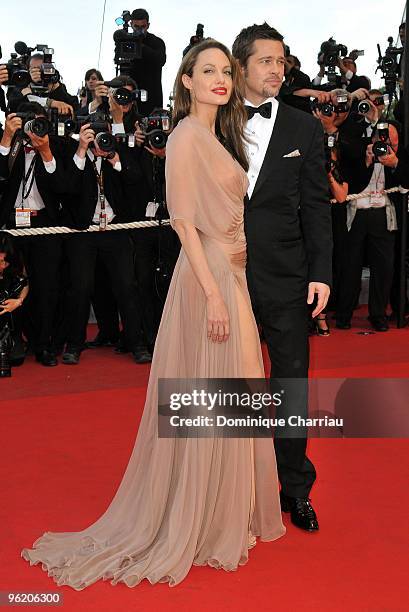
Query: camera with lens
[(19, 76), (380, 147), (327, 108), (128, 45), (330, 52), (328, 56), (364, 106), (40, 126), (124, 96), (156, 128), (388, 64), (197, 38)]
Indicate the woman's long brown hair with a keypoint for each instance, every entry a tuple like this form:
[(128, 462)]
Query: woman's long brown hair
[(231, 117)]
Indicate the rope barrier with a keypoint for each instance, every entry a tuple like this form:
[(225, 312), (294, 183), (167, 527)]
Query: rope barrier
[(366, 194), (37, 231)]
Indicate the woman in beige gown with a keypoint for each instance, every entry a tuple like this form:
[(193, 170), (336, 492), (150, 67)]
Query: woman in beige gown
[(192, 501)]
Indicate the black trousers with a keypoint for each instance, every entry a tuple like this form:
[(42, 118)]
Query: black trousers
[(154, 246), (114, 248), (42, 260), (368, 229), (286, 334)]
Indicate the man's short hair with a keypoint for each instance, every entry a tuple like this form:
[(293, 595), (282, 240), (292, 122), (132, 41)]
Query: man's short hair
[(243, 45), (402, 25), (38, 56), (375, 92), (140, 14), (32, 107), (124, 79)]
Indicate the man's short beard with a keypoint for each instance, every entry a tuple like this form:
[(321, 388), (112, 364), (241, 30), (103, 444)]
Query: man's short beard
[(269, 91)]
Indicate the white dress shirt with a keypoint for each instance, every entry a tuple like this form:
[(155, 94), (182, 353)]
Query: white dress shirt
[(375, 187), (80, 163), (258, 132), (34, 201)]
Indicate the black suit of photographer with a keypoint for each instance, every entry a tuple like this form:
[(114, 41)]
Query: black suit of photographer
[(152, 245), (147, 72), (295, 80), (112, 248), (42, 254), (369, 229)]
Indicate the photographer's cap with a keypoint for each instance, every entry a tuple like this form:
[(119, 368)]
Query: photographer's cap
[(140, 14)]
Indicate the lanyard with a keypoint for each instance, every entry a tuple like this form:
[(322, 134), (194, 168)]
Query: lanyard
[(26, 177), (100, 181)]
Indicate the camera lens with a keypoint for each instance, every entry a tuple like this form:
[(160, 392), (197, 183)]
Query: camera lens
[(38, 126), (380, 148), (327, 109), (20, 78), (122, 96), (157, 139), (105, 141), (363, 107)]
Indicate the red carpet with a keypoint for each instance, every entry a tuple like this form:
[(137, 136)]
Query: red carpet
[(67, 436)]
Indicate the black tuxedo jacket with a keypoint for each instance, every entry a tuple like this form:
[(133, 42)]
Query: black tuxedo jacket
[(287, 219), (81, 197), (49, 185)]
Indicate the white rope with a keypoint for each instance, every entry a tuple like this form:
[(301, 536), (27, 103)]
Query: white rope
[(366, 194), (37, 231)]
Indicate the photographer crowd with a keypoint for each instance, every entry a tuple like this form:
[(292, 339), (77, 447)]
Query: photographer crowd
[(98, 158)]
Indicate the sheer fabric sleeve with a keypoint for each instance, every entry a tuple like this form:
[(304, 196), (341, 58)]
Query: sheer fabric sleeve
[(184, 178)]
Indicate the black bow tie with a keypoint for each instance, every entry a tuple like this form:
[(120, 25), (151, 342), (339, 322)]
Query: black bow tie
[(264, 110)]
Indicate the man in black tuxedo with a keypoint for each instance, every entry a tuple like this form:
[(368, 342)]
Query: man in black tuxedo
[(288, 229), (34, 182)]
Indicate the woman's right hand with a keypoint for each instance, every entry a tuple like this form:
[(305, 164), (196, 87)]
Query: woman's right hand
[(218, 322)]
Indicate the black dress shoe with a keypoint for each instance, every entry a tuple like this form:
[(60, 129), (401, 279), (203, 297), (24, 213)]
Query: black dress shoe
[(343, 324), (142, 355), (302, 513), (99, 341), (380, 324), (46, 358), (71, 356)]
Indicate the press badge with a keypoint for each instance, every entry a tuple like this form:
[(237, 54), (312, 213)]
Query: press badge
[(23, 218), (151, 209)]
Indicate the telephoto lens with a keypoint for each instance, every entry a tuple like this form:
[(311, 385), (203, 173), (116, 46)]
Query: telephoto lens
[(40, 126), (364, 107)]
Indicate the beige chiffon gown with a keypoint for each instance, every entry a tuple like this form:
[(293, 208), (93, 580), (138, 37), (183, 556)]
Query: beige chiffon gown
[(195, 501)]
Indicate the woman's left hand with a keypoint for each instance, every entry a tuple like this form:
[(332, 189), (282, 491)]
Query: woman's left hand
[(9, 306)]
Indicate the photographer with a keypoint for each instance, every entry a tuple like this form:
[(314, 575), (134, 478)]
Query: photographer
[(147, 70), (295, 80), (32, 168), (123, 115), (87, 93), (56, 95), (156, 248), (371, 221), (99, 181), (348, 69)]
